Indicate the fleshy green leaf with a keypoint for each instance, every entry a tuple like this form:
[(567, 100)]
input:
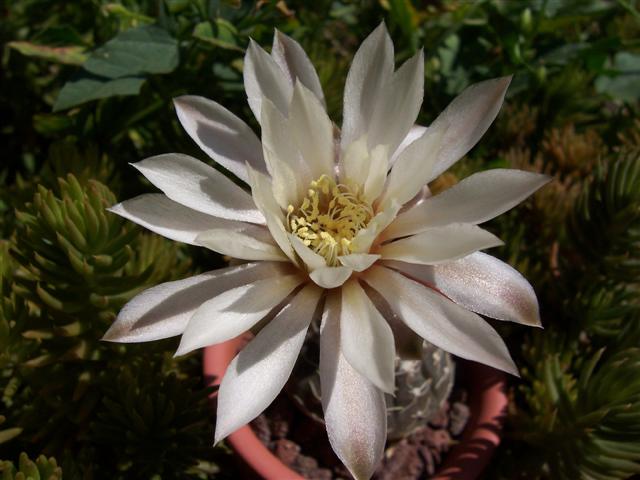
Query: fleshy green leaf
[(146, 49), (85, 89)]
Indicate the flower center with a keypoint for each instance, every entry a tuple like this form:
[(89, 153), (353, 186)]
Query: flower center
[(329, 217)]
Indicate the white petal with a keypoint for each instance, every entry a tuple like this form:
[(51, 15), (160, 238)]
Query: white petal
[(415, 133), (289, 173), (196, 185), (220, 134), (359, 166), (354, 409), (359, 262), (312, 131), (165, 217), (310, 258), (263, 198), (376, 173), (475, 199), (397, 108), (355, 161), (367, 80), (483, 284), (330, 277), (241, 244), (413, 168), (366, 338), (235, 311), (466, 119), (293, 60), (440, 244), (440, 321), (408, 344), (263, 78), (164, 310), (364, 239), (257, 374)]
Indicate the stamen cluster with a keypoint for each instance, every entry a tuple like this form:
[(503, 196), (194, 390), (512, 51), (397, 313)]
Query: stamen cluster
[(329, 217)]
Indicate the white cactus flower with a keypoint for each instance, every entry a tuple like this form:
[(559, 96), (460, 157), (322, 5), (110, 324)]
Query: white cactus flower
[(337, 225)]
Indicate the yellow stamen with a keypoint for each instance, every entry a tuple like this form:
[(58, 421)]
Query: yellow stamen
[(329, 217)]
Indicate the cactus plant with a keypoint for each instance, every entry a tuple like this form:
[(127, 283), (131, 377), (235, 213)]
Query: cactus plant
[(422, 387)]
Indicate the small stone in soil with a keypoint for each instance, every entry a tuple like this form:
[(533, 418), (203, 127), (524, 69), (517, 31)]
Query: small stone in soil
[(287, 451), (401, 463), (308, 468), (261, 427)]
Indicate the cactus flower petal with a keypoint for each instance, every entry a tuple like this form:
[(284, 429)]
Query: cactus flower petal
[(164, 311), (480, 283), (440, 321), (257, 374), (354, 408)]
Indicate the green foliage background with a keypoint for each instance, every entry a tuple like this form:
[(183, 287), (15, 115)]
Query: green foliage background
[(86, 87)]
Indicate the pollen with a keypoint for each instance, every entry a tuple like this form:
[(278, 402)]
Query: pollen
[(329, 217)]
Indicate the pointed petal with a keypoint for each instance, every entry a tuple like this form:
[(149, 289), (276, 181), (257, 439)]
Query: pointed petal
[(415, 133), (263, 78), (293, 60), (475, 199), (376, 173), (312, 131), (366, 338), (235, 311), (440, 321), (258, 373), (397, 109), (364, 239), (310, 258), (413, 168), (289, 173), (440, 244), (196, 185), (354, 161), (220, 134), (483, 284), (408, 344), (165, 217), (359, 166), (266, 203), (241, 244), (367, 80), (359, 262), (466, 119), (354, 409), (330, 277), (164, 310)]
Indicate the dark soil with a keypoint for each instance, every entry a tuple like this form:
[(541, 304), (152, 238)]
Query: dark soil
[(302, 444)]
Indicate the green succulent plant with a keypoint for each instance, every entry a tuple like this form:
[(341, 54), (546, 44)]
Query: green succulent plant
[(605, 225), (42, 468), (154, 422), (74, 265), (582, 412), (77, 259)]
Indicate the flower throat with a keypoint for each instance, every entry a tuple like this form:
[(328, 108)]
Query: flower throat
[(329, 217)]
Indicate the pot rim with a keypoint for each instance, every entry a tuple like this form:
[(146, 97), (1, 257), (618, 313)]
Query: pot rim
[(465, 461)]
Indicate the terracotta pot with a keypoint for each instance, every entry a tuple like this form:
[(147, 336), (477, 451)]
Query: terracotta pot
[(465, 461)]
